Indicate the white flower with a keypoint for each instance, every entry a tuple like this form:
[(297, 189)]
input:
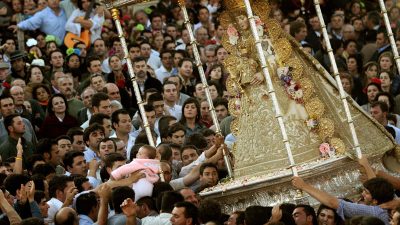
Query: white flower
[(38, 62), (31, 42), (233, 40)]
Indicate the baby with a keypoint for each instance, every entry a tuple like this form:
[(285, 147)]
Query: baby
[(145, 160)]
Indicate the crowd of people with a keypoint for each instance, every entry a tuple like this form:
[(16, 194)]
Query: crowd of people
[(73, 145)]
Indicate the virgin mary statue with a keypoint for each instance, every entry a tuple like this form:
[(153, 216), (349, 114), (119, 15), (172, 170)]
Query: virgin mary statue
[(312, 110)]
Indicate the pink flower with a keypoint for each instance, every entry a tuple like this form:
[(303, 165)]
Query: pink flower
[(324, 148)]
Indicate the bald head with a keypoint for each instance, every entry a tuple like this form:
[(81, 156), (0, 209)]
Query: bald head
[(112, 91), (66, 216)]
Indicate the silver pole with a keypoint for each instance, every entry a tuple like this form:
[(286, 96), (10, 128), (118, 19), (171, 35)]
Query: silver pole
[(115, 15), (204, 81), (271, 89), (390, 35), (338, 81)]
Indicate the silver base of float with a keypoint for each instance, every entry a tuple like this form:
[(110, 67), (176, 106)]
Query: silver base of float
[(339, 176)]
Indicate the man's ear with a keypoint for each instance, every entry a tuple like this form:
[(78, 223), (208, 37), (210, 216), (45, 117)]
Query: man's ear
[(189, 221), (46, 156)]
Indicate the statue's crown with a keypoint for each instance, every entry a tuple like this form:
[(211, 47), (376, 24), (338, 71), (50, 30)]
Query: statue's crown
[(234, 5)]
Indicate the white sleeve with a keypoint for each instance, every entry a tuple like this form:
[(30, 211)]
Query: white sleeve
[(186, 169), (177, 184), (72, 27)]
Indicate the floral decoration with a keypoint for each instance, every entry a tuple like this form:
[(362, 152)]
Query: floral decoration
[(292, 87), (233, 34), (327, 150), (312, 123)]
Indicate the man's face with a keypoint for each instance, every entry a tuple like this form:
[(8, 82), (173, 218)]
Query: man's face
[(178, 217), (95, 67), (94, 139), (78, 166), (70, 185), (78, 143), (87, 97), (210, 55), (64, 145), (104, 107), (107, 127), (97, 83), (167, 60), (113, 92), (18, 64), (151, 118), (301, 35), (204, 15), (55, 155), (189, 196), (170, 93), (134, 52), (106, 148), (57, 60), (99, 47), (232, 219), (171, 31), (141, 18), (209, 177), (156, 23), (124, 124), (221, 55), (315, 24), (117, 46), (3, 74), (178, 137), (380, 40), (18, 126), (221, 111), (188, 156), (7, 107), (358, 25), (10, 46), (18, 95), (300, 217), (176, 154), (199, 91), (326, 217), (140, 69), (201, 35), (145, 50), (166, 172), (177, 57), (337, 22), (158, 108), (376, 113), (65, 86), (367, 197)]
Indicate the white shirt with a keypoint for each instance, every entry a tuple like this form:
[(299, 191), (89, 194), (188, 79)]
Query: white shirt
[(95, 30), (162, 73), (129, 145), (162, 219), (54, 206), (154, 62), (186, 169), (397, 131), (175, 111)]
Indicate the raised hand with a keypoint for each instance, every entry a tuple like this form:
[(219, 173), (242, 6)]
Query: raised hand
[(104, 192), (136, 176), (31, 191), (128, 207)]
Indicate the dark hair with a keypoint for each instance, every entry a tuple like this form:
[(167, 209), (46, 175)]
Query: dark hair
[(207, 132), (374, 17), (390, 97), (185, 60), (32, 160), (58, 183), (309, 212), (175, 128), (256, 215), (30, 72), (154, 97), (91, 59), (190, 101), (198, 140), (140, 58), (44, 146), (185, 147), (85, 203), (381, 190), (39, 195), (98, 97), (63, 137), (382, 105), (69, 158), (98, 118), (148, 108), (165, 151), (92, 128), (295, 27), (191, 211), (134, 150), (50, 104), (146, 200), (168, 200), (9, 120), (36, 87), (115, 116), (79, 180), (44, 169), (39, 179), (75, 131), (32, 221), (163, 126), (209, 210), (13, 182), (365, 220), (168, 82), (207, 165), (217, 86), (70, 218), (119, 194)]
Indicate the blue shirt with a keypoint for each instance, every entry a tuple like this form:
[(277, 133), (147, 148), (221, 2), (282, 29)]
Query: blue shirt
[(85, 220), (349, 209), (48, 22)]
